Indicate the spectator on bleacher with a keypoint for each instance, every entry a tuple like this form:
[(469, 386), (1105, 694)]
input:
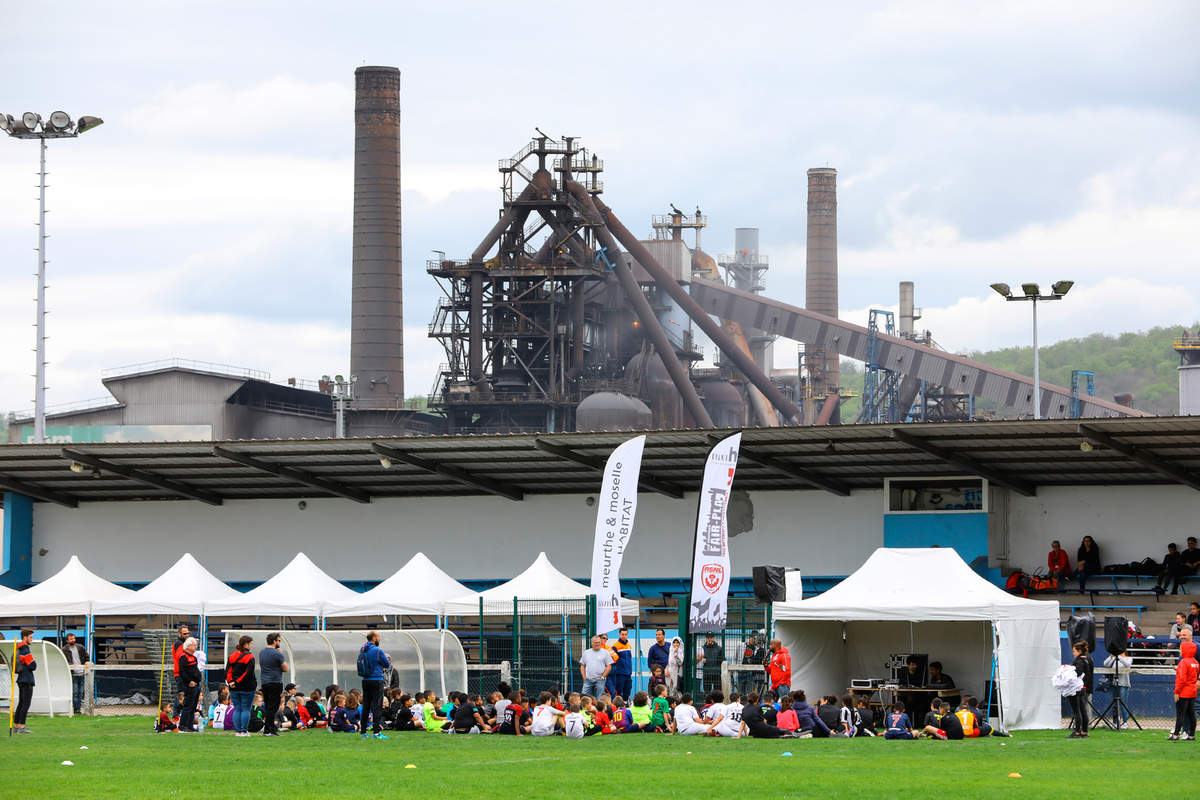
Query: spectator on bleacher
[(1087, 561), (1180, 625), (1193, 617), (239, 676), (1172, 569), (77, 660), (1057, 561), (1189, 559)]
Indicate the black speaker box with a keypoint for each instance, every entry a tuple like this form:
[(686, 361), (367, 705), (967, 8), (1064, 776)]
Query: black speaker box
[(769, 584), (1116, 634), (1082, 629)]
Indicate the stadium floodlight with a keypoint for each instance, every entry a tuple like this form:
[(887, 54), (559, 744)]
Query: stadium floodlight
[(86, 123), (60, 120), (57, 126), (1033, 293), (1062, 287)]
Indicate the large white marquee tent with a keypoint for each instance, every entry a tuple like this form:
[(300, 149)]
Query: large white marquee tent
[(928, 601), (540, 581), (299, 589), (73, 590), (419, 587), (186, 588)]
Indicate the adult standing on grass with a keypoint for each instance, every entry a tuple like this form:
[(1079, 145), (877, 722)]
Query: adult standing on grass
[(621, 675), (712, 656), (779, 668), (271, 665), (1079, 700), (239, 675), (77, 660), (26, 666), (594, 666), (1187, 678), (659, 653), (372, 662), (190, 678), (176, 649)]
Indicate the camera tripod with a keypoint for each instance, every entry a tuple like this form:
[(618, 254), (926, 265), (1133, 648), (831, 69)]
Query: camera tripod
[(1116, 705)]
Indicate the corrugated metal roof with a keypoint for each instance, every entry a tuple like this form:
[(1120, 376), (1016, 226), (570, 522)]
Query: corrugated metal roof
[(1022, 454)]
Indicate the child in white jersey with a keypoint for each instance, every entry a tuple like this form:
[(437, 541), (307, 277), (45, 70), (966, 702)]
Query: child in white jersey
[(687, 719), (573, 723), (545, 716), (731, 718)]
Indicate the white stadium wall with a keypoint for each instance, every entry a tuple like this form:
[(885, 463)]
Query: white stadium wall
[(469, 537)]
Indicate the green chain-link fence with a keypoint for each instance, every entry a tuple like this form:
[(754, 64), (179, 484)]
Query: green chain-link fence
[(747, 617)]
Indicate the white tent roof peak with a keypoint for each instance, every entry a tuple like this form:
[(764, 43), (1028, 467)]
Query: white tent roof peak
[(419, 587), (74, 589), (541, 580), (915, 584), (300, 588), (185, 588)]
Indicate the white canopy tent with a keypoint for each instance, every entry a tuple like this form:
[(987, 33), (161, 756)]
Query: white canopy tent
[(72, 590), (6, 591), (928, 601), (186, 588), (540, 581), (301, 589), (419, 587)]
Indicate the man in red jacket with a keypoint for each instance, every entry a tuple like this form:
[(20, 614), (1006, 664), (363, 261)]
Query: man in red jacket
[(779, 668), (1058, 563), (1187, 676)]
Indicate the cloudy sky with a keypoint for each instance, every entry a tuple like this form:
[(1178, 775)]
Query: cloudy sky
[(209, 217)]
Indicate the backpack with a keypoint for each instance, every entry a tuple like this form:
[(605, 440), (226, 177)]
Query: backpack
[(364, 667)]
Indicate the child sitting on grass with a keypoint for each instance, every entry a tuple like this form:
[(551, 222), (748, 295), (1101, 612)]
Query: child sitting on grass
[(165, 724), (640, 710), (434, 720), (339, 720), (660, 710), (573, 723)]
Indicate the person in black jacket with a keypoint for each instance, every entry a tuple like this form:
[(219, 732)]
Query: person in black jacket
[(1172, 569), (1079, 701), (239, 676), (26, 666), (189, 682), (1087, 561), (752, 718)]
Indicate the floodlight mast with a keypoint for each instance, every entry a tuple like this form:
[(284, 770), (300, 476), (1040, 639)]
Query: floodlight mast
[(57, 126), (1033, 293)]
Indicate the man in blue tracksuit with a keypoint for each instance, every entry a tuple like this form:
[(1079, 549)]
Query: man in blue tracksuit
[(621, 674), (372, 662)]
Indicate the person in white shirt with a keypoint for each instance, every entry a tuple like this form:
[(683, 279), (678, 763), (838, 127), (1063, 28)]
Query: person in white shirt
[(573, 722), (715, 713), (687, 719), (545, 716), (731, 718)]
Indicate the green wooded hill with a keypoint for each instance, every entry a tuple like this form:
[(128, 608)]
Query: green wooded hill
[(1142, 363)]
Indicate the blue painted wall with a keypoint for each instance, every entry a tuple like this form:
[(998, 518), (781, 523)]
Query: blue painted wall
[(967, 533), (17, 563)]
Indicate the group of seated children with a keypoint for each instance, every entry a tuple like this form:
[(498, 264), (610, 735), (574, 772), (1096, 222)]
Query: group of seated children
[(966, 722)]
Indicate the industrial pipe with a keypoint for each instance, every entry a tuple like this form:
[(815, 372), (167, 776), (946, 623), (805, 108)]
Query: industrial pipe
[(475, 314), (641, 307), (578, 292), (542, 183), (681, 296)]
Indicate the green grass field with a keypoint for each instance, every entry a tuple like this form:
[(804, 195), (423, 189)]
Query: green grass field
[(124, 760)]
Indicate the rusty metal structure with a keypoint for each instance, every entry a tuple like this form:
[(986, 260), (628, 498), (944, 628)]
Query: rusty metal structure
[(377, 295), (561, 302)]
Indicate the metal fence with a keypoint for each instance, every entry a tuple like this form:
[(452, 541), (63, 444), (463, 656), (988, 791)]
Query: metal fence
[(747, 617), (1148, 702)]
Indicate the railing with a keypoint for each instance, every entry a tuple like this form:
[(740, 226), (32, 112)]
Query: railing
[(93, 403), (185, 363), (1187, 341)]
